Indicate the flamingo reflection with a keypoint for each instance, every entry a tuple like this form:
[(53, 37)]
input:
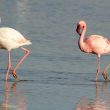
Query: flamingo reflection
[(97, 103), (13, 99)]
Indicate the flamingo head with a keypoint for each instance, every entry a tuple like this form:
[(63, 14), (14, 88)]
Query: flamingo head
[(80, 27)]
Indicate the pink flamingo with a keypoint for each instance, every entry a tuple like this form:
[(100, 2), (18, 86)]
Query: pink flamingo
[(94, 44), (11, 39)]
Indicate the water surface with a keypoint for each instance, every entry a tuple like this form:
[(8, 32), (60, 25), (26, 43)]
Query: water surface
[(56, 75)]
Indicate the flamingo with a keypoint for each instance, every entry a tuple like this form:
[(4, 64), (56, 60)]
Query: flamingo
[(93, 44), (12, 39)]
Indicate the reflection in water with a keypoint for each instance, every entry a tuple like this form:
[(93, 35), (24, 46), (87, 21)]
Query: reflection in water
[(13, 99), (97, 103)]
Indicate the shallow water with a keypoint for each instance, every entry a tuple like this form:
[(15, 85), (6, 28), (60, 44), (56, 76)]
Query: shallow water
[(56, 75)]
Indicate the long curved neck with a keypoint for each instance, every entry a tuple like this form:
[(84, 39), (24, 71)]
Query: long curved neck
[(81, 39)]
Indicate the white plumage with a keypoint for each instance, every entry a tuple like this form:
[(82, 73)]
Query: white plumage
[(11, 39)]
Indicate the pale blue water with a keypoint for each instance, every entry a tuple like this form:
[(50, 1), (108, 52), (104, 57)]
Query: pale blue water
[(56, 75)]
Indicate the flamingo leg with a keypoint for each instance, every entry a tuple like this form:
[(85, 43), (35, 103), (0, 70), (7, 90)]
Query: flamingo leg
[(9, 65), (104, 73), (98, 69), (21, 60)]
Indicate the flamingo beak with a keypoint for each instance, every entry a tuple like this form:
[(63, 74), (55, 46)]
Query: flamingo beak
[(78, 29)]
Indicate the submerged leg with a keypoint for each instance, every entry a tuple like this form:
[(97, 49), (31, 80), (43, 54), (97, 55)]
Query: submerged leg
[(98, 69), (21, 60), (9, 65)]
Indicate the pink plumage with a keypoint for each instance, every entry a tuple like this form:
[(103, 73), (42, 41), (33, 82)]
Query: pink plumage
[(94, 44)]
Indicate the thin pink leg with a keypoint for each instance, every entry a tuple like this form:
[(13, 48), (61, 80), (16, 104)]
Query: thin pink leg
[(21, 60), (98, 69), (104, 73), (9, 65), (106, 68)]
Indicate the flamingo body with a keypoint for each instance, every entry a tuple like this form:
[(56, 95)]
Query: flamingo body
[(94, 44), (11, 39)]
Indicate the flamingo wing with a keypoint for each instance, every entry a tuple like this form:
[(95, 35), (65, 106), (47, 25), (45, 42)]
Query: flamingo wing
[(98, 44)]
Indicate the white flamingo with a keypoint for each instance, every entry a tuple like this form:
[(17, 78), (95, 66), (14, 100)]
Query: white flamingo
[(12, 39)]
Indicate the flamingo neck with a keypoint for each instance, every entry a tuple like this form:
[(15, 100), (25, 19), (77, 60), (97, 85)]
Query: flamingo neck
[(81, 39)]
